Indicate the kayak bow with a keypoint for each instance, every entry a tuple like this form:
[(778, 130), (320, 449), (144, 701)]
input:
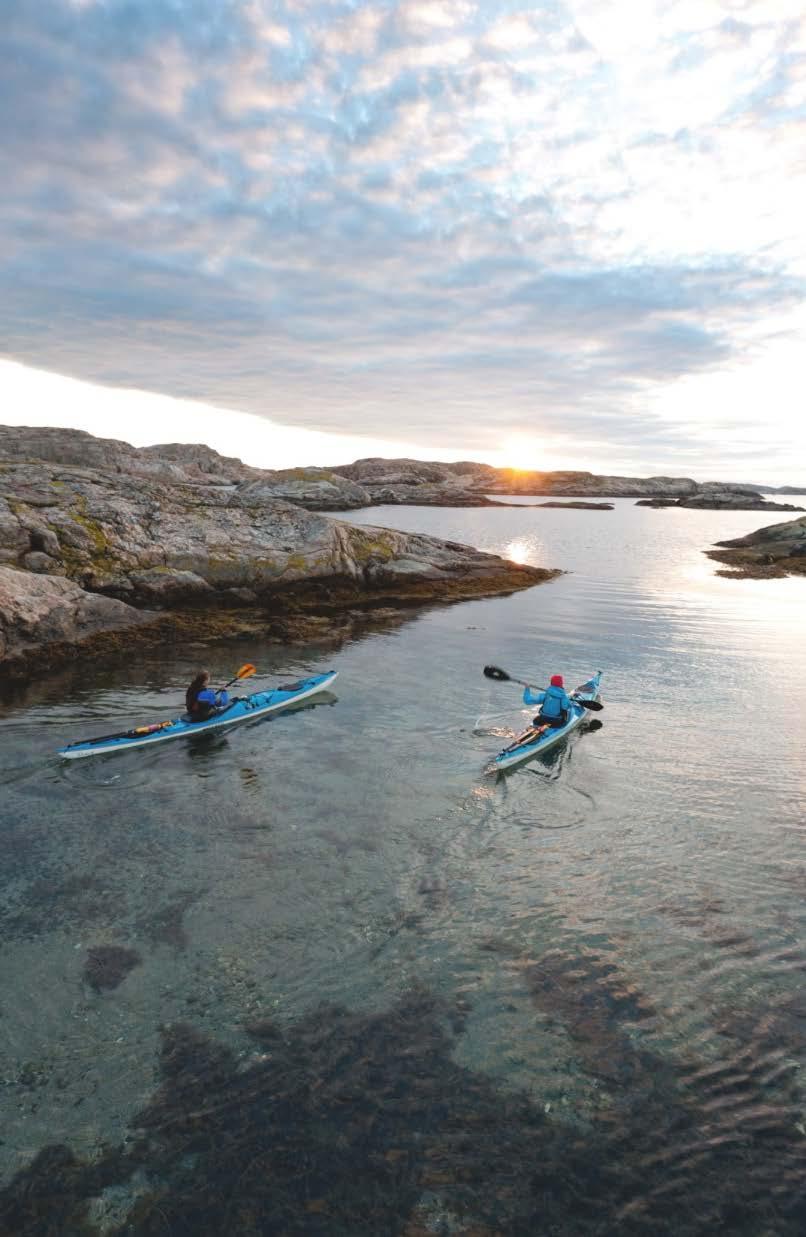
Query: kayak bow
[(248, 708), (537, 740)]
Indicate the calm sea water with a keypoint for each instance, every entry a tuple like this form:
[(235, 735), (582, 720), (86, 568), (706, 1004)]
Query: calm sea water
[(380, 992)]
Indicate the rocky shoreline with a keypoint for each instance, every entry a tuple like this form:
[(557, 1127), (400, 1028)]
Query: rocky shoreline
[(777, 550), (129, 546), (103, 545)]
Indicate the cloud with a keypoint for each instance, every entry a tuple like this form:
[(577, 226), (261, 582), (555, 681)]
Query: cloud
[(455, 219)]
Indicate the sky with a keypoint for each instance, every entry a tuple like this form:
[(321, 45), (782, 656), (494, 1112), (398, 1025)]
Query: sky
[(551, 235)]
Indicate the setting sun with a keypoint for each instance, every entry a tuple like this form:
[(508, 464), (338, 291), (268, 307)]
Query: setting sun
[(521, 451)]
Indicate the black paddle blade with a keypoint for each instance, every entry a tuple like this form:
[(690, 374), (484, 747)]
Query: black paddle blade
[(595, 706), (495, 672)]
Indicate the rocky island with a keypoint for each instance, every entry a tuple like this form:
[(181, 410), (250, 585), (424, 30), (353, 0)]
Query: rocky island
[(778, 550), (720, 498), (469, 484), (101, 543), (368, 482)]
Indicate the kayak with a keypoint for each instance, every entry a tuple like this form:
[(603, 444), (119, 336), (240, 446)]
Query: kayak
[(536, 740), (247, 708)]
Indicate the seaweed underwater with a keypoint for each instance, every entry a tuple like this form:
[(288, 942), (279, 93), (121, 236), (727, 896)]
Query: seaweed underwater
[(347, 1123)]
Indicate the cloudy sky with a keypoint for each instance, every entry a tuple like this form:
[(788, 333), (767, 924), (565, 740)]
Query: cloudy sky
[(560, 234)]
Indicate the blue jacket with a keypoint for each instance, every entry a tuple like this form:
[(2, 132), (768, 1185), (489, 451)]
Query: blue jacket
[(554, 700), (215, 699)]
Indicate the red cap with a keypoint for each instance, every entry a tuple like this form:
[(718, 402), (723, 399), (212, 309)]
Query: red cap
[(557, 680)]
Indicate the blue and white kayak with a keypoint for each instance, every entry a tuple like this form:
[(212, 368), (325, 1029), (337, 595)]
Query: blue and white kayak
[(247, 708), (539, 739)]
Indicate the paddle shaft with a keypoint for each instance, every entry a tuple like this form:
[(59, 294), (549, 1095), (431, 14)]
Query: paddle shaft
[(594, 705), (245, 672), (122, 734)]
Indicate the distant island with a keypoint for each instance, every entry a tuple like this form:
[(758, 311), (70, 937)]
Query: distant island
[(368, 482), (413, 482)]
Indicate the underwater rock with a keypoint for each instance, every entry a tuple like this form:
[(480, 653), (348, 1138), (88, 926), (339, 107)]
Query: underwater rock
[(364, 1124), (108, 965)]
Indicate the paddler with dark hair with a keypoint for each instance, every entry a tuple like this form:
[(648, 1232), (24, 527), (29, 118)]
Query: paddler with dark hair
[(202, 701), (554, 701)]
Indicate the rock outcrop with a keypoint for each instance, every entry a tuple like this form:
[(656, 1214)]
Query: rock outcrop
[(780, 489), (132, 537), (51, 614), (140, 528), (188, 465), (365, 483), (778, 550), (417, 483), (711, 499), (575, 506), (592, 485), (471, 484)]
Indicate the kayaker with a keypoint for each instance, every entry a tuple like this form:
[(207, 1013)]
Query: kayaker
[(554, 701), (201, 700)]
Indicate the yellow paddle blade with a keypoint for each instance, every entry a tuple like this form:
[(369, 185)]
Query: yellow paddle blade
[(245, 671)]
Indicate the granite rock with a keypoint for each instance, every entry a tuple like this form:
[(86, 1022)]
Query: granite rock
[(713, 499), (41, 610), (777, 550), (204, 537)]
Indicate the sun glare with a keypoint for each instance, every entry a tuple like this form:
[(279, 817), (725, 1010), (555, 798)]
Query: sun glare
[(521, 452), (518, 551)]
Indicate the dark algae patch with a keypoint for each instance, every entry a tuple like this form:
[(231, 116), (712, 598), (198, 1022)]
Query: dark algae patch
[(108, 965), (354, 1125), (165, 926)]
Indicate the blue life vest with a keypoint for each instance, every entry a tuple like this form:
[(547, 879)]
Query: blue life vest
[(555, 702), (207, 702)]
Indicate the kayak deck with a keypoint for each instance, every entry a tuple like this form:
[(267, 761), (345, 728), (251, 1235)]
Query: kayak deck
[(247, 708), (536, 740)]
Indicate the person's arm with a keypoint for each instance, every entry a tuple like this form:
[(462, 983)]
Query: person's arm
[(222, 698), (532, 697)]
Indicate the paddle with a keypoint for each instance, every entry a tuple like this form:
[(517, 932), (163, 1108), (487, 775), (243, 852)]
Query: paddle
[(244, 673), (122, 734), (501, 676)]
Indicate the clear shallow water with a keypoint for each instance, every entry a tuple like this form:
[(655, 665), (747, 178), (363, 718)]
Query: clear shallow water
[(570, 999)]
